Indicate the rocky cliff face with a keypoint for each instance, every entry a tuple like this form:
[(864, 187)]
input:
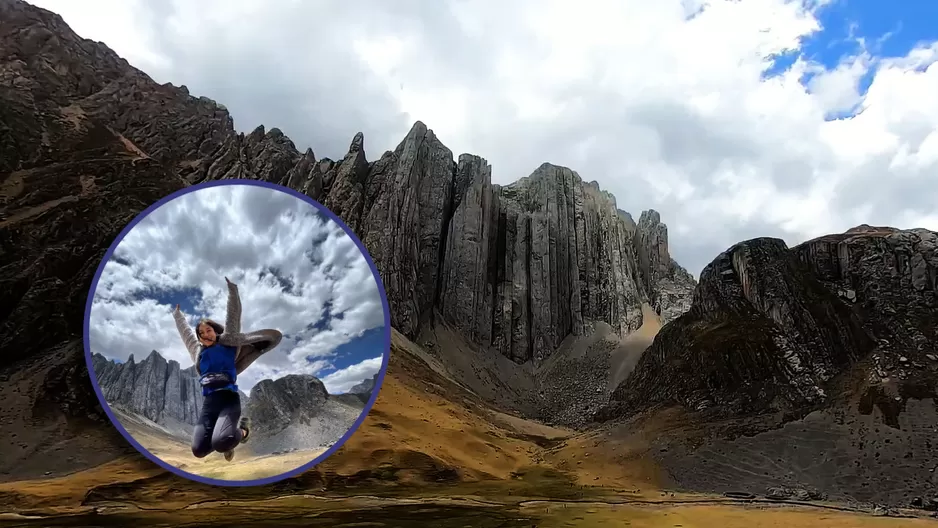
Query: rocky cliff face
[(275, 404), (530, 263), (156, 389), (763, 332), (890, 278), (666, 282), (771, 328), (814, 366), (515, 267), (555, 252)]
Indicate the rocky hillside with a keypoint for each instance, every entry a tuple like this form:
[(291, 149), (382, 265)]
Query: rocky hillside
[(890, 279), (771, 327), (68, 185), (297, 412), (763, 333), (813, 366), (275, 404)]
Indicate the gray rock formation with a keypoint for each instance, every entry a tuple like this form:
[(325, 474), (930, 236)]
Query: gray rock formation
[(771, 327), (366, 386), (156, 389), (275, 404), (556, 253), (409, 195), (890, 278), (763, 333), (811, 366), (320, 432), (666, 282), (296, 412), (530, 263)]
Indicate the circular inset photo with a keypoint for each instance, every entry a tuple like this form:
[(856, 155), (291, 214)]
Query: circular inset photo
[(237, 333)]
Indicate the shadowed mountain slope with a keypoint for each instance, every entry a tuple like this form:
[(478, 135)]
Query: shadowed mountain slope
[(815, 365)]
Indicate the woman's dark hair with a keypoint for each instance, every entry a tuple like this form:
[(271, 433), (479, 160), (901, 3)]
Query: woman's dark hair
[(219, 329)]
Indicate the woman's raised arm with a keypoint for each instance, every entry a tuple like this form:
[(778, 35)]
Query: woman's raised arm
[(186, 333), (233, 318)]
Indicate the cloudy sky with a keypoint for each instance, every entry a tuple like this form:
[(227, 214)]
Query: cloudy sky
[(734, 119), (296, 269)]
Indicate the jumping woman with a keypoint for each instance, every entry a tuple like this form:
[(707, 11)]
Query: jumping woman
[(219, 354)]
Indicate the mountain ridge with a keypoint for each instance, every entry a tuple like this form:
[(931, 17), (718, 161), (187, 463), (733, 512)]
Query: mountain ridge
[(156, 389), (822, 357), (813, 311), (96, 142), (559, 256), (405, 196), (166, 394), (289, 413)]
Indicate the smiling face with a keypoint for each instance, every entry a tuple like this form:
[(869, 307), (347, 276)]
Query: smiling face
[(207, 335)]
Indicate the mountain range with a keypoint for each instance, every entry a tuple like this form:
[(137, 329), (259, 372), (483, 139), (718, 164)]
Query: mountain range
[(155, 389), (539, 302), (290, 413)]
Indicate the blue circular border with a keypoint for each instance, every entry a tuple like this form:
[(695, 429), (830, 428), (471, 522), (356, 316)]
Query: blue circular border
[(238, 483)]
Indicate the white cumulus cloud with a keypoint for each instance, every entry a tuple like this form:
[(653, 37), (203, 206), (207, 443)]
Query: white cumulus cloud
[(675, 105)]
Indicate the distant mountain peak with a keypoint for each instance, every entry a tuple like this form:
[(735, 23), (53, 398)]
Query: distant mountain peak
[(366, 386)]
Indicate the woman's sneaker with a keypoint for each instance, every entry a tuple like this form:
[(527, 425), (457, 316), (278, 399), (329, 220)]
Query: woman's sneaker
[(229, 455), (245, 424)]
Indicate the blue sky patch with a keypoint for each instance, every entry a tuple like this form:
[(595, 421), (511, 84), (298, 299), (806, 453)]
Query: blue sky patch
[(366, 346), (851, 27)]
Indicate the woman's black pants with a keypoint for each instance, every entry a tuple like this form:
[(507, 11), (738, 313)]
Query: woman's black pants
[(217, 429)]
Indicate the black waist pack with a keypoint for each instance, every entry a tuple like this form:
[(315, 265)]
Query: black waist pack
[(214, 380)]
